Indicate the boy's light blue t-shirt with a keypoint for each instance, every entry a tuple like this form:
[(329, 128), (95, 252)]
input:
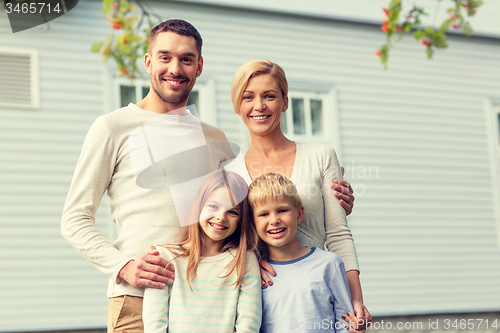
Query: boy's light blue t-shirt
[(309, 294)]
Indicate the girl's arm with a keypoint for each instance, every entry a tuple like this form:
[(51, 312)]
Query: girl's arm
[(249, 308), (155, 309)]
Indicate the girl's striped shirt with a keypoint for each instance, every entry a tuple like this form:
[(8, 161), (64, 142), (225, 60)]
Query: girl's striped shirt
[(214, 305)]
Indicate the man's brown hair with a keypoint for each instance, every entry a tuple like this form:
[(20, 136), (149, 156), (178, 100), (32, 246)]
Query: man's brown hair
[(180, 27)]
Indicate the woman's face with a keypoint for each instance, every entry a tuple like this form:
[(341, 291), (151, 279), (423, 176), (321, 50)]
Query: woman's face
[(262, 105)]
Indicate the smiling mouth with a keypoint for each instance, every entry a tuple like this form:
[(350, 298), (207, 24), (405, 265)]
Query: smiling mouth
[(276, 231), (217, 226), (260, 117), (173, 82)]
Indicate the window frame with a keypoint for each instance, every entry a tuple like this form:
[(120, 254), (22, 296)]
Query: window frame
[(34, 77), (327, 93), (307, 97), (492, 117), (204, 87)]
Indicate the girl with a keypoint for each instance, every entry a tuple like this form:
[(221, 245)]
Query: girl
[(217, 282)]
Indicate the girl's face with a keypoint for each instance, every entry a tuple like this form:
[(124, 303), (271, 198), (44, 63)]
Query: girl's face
[(218, 218), (262, 105)]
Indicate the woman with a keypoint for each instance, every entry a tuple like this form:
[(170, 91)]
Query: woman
[(259, 95)]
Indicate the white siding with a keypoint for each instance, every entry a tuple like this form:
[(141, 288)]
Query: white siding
[(46, 284), (424, 225), (485, 22)]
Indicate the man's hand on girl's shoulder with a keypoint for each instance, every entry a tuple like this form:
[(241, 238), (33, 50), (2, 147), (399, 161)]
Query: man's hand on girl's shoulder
[(149, 270)]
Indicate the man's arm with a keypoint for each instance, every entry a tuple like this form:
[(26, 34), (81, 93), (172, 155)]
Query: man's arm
[(92, 176), (91, 179)]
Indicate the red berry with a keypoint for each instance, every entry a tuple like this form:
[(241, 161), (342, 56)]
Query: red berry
[(386, 11), (378, 53), (124, 71), (385, 28), (455, 26), (466, 5), (117, 25), (399, 28), (426, 42), (385, 22)]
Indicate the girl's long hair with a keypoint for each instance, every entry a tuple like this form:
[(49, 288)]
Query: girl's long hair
[(243, 239)]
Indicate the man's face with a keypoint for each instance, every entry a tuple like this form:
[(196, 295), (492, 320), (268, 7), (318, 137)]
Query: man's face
[(174, 66)]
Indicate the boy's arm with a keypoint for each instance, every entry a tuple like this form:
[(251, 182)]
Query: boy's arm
[(249, 308), (341, 295), (155, 309)]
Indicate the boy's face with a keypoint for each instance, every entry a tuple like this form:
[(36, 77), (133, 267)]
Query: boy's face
[(276, 221)]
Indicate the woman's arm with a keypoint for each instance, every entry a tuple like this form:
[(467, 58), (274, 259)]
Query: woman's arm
[(249, 308), (362, 314), (338, 236)]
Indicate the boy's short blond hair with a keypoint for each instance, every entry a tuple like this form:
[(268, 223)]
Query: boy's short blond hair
[(272, 186)]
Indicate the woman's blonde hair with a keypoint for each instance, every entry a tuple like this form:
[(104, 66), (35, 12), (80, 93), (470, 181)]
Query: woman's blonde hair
[(243, 239), (251, 69)]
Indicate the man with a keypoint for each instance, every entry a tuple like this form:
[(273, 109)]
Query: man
[(145, 215)]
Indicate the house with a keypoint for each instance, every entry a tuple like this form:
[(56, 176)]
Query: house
[(420, 144)]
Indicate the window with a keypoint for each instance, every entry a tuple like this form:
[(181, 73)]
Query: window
[(496, 134), (201, 96), (305, 117), (19, 80), (311, 117), (493, 131)]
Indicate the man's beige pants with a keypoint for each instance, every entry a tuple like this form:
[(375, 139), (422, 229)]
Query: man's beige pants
[(125, 314)]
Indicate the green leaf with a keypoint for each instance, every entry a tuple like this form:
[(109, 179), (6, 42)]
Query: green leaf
[(430, 52), (445, 26), (467, 29), (96, 47)]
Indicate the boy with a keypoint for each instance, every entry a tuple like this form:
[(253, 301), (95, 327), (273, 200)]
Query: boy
[(310, 291)]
